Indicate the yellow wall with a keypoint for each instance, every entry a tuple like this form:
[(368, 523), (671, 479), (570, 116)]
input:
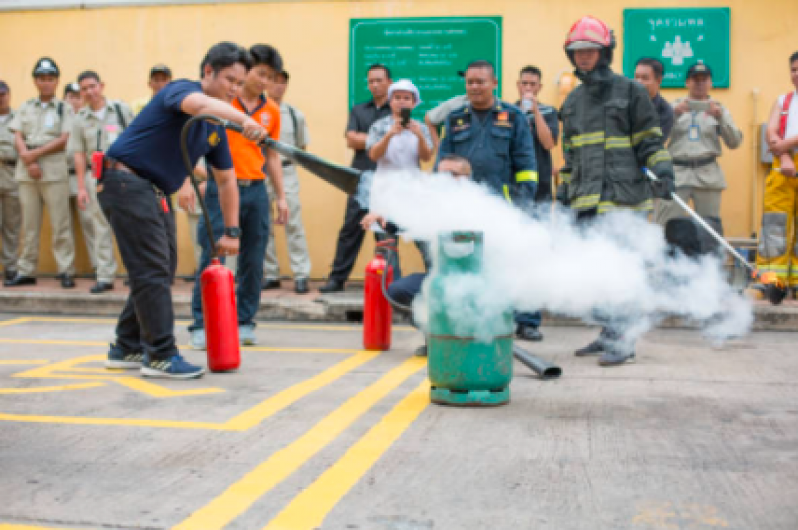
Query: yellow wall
[(122, 44)]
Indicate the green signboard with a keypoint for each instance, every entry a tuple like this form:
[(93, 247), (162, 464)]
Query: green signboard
[(679, 38), (430, 51)]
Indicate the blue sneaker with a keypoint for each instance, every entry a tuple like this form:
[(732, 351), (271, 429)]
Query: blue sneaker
[(173, 368), (119, 359)]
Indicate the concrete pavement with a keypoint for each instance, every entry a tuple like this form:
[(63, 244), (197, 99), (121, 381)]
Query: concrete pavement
[(314, 433)]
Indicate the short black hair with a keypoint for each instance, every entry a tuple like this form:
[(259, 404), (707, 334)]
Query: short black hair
[(89, 74), (225, 54), (533, 70), (268, 55), (793, 57), (382, 67), (482, 64), (656, 66)]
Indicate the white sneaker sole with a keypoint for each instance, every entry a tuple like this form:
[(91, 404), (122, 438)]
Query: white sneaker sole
[(151, 372), (123, 365)]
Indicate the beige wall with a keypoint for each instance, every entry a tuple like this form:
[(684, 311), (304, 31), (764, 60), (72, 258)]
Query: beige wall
[(123, 43)]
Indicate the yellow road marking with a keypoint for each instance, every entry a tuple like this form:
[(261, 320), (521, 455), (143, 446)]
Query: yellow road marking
[(38, 389), (183, 347), (244, 421), (240, 496), (308, 509), (187, 322), (23, 361), (15, 321)]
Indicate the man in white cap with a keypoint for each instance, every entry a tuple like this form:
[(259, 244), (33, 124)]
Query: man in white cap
[(400, 143)]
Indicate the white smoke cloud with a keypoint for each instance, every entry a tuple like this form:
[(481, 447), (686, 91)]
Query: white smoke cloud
[(616, 268)]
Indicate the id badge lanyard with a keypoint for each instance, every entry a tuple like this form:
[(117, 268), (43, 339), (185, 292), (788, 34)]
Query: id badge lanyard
[(694, 132)]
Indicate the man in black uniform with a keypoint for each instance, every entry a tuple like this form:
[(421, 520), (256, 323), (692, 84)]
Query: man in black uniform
[(142, 168), (350, 238)]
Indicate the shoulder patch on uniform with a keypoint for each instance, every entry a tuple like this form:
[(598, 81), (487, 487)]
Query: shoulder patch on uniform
[(213, 139)]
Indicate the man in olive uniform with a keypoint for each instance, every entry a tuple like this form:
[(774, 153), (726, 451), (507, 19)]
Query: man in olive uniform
[(95, 128), (9, 189), (293, 131), (701, 123), (41, 128), (610, 132)]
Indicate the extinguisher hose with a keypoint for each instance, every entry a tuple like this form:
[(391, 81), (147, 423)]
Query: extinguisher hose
[(190, 168), (391, 261)]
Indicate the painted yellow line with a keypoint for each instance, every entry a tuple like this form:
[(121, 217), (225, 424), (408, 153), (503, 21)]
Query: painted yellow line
[(242, 422), (183, 347), (42, 389), (254, 416), (157, 391), (22, 361), (320, 327), (308, 509), (15, 321), (240, 496)]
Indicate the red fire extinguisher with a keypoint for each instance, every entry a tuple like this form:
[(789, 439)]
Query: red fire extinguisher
[(221, 319), (377, 312)]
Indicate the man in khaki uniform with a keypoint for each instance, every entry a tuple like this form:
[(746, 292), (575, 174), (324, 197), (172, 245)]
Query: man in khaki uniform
[(95, 128), (9, 189), (42, 127), (701, 123), (293, 131)]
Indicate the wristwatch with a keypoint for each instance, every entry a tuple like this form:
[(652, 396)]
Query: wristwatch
[(232, 231)]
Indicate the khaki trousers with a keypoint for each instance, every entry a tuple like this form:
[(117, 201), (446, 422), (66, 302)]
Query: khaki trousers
[(298, 255), (33, 196), (96, 231)]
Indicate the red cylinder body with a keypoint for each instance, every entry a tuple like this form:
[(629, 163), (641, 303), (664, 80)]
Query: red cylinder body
[(377, 312), (221, 319)]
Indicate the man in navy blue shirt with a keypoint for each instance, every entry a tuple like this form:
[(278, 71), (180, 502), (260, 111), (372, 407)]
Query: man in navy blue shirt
[(142, 168)]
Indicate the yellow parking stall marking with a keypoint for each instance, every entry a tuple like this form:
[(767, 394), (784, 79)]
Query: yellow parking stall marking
[(15, 321), (240, 496), (308, 509), (14, 362), (310, 327), (157, 391), (244, 421), (183, 347), (42, 389)]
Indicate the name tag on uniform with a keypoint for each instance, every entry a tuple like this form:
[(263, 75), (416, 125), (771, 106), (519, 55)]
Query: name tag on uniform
[(49, 120), (503, 120), (461, 124), (693, 133), (113, 132)]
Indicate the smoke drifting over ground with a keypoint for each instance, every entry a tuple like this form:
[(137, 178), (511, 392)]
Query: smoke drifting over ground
[(616, 268)]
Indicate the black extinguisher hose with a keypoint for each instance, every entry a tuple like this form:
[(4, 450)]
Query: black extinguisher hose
[(190, 168)]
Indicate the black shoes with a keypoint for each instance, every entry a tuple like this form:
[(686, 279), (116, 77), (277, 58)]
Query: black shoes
[(10, 275), (594, 348), (270, 284), (18, 281), (67, 281), (101, 287), (526, 332), (301, 286), (332, 286)]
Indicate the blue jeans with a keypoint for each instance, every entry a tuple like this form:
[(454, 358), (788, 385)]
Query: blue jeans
[(253, 218)]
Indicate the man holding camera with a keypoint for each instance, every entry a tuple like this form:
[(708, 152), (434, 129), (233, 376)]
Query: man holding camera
[(701, 123)]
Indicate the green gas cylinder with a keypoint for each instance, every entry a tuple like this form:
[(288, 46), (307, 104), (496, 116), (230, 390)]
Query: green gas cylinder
[(470, 342)]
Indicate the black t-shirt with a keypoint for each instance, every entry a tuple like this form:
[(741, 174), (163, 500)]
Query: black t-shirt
[(150, 146), (542, 155), (360, 119)]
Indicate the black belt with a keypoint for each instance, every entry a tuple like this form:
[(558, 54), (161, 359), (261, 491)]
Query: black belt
[(696, 163), (287, 163)]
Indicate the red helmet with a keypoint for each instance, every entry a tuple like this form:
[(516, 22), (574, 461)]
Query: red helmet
[(589, 32)]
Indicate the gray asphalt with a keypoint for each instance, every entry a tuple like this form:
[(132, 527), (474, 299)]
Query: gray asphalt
[(310, 433)]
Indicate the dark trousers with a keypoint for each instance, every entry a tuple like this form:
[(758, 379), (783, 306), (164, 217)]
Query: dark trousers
[(253, 219), (350, 239), (145, 236)]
